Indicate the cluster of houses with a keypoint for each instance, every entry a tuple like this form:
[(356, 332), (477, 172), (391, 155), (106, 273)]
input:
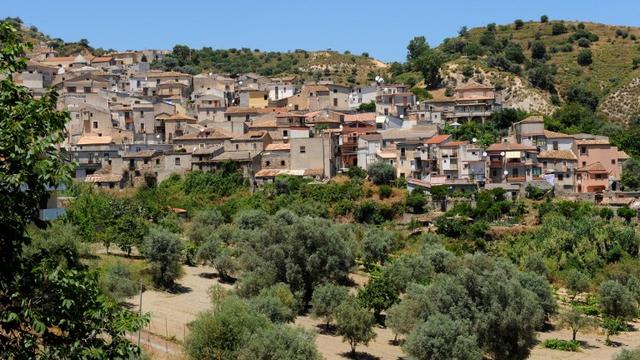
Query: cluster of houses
[(129, 123)]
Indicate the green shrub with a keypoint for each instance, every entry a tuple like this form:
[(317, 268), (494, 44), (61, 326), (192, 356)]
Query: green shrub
[(384, 191), (585, 57), (563, 345)]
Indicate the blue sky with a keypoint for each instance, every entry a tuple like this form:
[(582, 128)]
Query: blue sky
[(381, 28)]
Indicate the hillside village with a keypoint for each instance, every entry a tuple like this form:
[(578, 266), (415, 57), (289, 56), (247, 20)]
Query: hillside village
[(480, 199), (130, 124)]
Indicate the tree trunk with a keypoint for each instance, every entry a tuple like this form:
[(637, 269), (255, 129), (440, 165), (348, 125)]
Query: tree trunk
[(574, 334), (353, 349)]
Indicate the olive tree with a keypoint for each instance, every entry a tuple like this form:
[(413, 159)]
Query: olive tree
[(576, 321), (354, 323), (326, 299), (377, 245), (280, 342), (381, 173), (441, 338), (163, 249)]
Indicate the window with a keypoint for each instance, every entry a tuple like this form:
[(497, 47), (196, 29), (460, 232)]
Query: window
[(303, 149), (613, 161), (177, 161), (141, 126), (253, 146), (265, 97), (87, 89), (584, 163), (95, 124), (142, 113), (555, 145), (145, 161), (237, 147), (285, 133), (228, 117), (247, 117), (544, 163), (560, 177), (267, 163), (583, 150), (157, 161), (282, 163), (494, 173)]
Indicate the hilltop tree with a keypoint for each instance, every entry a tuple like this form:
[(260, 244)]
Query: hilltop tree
[(518, 24), (424, 59), (544, 19), (40, 296)]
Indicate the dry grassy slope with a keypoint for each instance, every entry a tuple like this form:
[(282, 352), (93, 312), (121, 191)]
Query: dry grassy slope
[(611, 75), (342, 66)]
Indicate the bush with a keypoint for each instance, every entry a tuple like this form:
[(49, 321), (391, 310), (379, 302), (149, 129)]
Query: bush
[(538, 50), (356, 172), (117, 281), (558, 28), (583, 42), (518, 24), (544, 19), (563, 345), (384, 191), (585, 57), (381, 173)]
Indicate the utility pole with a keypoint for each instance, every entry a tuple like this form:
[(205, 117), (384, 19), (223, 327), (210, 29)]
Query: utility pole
[(140, 311)]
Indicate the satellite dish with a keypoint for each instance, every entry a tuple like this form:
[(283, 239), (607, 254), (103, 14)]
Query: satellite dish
[(401, 116), (377, 78), (474, 140), (484, 153), (506, 173), (502, 153)]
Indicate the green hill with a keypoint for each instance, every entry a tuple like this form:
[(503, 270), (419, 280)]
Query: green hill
[(611, 77)]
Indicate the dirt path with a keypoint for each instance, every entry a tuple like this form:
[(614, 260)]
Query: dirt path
[(593, 345), (332, 347), (170, 313)]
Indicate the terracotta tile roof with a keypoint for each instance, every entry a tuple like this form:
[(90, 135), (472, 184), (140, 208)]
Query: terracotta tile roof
[(316, 88), (623, 155), (267, 173), (95, 140), (386, 154), (556, 135), (248, 110), (263, 123), (438, 139), (510, 147), (371, 137), (370, 117), (207, 133), (557, 154), (278, 147), (251, 135), (59, 59), (532, 119), (593, 142), (596, 167), (454, 143), (181, 117)]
